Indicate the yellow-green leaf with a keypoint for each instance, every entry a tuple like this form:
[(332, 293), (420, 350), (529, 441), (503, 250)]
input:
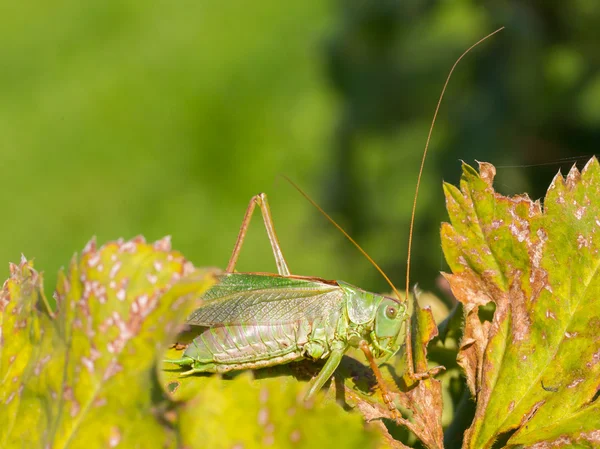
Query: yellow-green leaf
[(85, 376), (534, 370), (272, 413)]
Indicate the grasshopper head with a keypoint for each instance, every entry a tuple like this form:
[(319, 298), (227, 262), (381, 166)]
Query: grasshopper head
[(381, 315), (388, 324)]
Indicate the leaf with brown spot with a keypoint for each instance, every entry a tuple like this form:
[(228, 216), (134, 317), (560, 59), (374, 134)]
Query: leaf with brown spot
[(20, 334), (534, 370), (423, 398), (86, 376), (271, 413)]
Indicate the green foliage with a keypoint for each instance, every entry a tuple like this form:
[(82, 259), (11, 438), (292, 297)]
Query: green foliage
[(85, 375), (270, 413), (534, 368)]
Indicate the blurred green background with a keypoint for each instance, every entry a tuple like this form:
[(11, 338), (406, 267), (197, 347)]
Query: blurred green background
[(154, 118)]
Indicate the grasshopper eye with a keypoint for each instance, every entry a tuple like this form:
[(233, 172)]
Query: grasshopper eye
[(391, 312)]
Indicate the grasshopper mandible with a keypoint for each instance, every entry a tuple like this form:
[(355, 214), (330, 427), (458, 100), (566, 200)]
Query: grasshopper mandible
[(256, 320)]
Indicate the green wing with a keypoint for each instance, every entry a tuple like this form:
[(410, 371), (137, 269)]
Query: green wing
[(241, 298)]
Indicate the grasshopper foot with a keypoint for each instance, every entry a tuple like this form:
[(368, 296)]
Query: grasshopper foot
[(432, 372)]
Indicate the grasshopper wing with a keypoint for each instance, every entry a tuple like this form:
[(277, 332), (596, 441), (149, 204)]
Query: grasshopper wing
[(243, 298)]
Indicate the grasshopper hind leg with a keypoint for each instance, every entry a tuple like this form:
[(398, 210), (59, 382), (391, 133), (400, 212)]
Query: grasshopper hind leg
[(259, 200)]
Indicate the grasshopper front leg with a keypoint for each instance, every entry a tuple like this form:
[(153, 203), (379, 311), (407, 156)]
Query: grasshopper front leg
[(387, 397), (261, 201)]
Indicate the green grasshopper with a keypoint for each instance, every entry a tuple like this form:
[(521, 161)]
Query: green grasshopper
[(256, 320)]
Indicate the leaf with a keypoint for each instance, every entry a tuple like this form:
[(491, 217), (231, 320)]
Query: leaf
[(272, 413), (534, 369), (423, 398), (85, 377)]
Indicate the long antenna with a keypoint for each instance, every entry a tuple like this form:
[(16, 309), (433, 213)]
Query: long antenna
[(435, 114), (332, 221), (412, 218)]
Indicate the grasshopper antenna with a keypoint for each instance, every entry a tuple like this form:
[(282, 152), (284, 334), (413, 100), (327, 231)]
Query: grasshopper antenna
[(333, 222), (435, 114), (414, 208)]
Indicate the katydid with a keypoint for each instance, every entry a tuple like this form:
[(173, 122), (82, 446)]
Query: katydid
[(256, 320)]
